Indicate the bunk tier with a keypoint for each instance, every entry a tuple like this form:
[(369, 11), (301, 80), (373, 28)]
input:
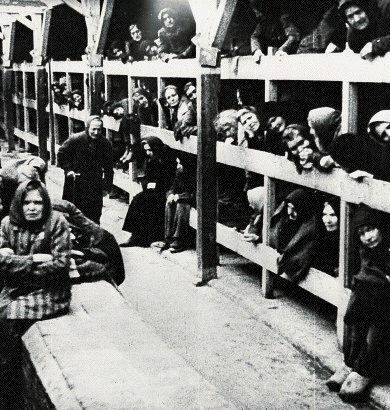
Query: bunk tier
[(343, 67)]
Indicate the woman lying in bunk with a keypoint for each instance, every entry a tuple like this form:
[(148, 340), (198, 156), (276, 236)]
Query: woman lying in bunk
[(145, 216), (180, 113), (294, 229), (368, 312)]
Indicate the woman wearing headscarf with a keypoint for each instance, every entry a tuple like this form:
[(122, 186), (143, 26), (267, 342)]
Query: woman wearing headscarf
[(145, 216), (293, 232), (368, 28), (369, 152), (34, 269), (326, 257), (368, 311), (325, 125)]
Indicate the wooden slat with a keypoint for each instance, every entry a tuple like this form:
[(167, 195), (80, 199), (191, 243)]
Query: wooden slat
[(318, 283), (185, 68), (104, 24), (309, 67)]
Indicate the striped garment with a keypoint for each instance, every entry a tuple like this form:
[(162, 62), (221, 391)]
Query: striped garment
[(33, 291)]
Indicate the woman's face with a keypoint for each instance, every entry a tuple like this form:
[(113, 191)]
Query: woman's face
[(168, 20), (277, 124), (330, 218), (292, 212), (172, 97), (370, 236), (250, 122), (33, 206), (382, 131), (357, 18), (149, 151), (136, 34), (142, 100)]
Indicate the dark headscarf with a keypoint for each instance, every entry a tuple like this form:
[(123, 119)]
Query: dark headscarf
[(357, 39), (334, 202), (16, 214), (326, 122), (143, 92), (89, 120), (156, 145), (366, 216), (303, 201)]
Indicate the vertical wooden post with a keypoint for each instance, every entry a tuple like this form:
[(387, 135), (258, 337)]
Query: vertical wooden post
[(267, 279), (208, 86), (96, 79), (349, 107), (346, 266), (52, 133), (8, 108), (25, 109), (41, 92), (162, 123)]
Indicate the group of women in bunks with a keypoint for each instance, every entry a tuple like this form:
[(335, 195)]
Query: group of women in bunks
[(305, 227)]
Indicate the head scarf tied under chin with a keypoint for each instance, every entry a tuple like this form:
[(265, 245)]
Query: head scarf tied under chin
[(16, 213), (89, 120), (326, 122)]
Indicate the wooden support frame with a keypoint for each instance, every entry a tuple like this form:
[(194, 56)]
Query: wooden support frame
[(8, 108), (41, 92), (208, 87)]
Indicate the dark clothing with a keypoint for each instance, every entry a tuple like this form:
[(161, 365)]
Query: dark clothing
[(177, 214), (145, 216), (176, 40), (377, 31), (275, 28), (133, 51), (91, 158), (326, 257), (368, 311), (360, 152), (295, 239), (102, 256), (317, 41)]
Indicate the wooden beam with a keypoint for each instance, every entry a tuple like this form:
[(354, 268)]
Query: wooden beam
[(42, 128), (25, 21), (207, 198), (8, 43), (224, 15), (45, 33), (75, 5), (104, 24), (8, 109)]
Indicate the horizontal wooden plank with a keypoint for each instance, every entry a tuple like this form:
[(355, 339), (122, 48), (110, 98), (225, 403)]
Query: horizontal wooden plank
[(80, 115), (70, 66), (309, 67), (30, 103), (27, 67), (26, 136), (124, 181), (318, 283), (184, 68), (111, 123), (187, 145)]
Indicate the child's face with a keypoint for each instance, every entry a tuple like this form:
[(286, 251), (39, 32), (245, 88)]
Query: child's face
[(369, 236)]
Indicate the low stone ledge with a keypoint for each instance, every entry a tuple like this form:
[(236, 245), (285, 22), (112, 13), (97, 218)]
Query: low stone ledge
[(103, 356)]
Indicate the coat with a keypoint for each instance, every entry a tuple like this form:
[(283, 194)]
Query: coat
[(176, 41), (93, 160), (30, 290), (295, 240)]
